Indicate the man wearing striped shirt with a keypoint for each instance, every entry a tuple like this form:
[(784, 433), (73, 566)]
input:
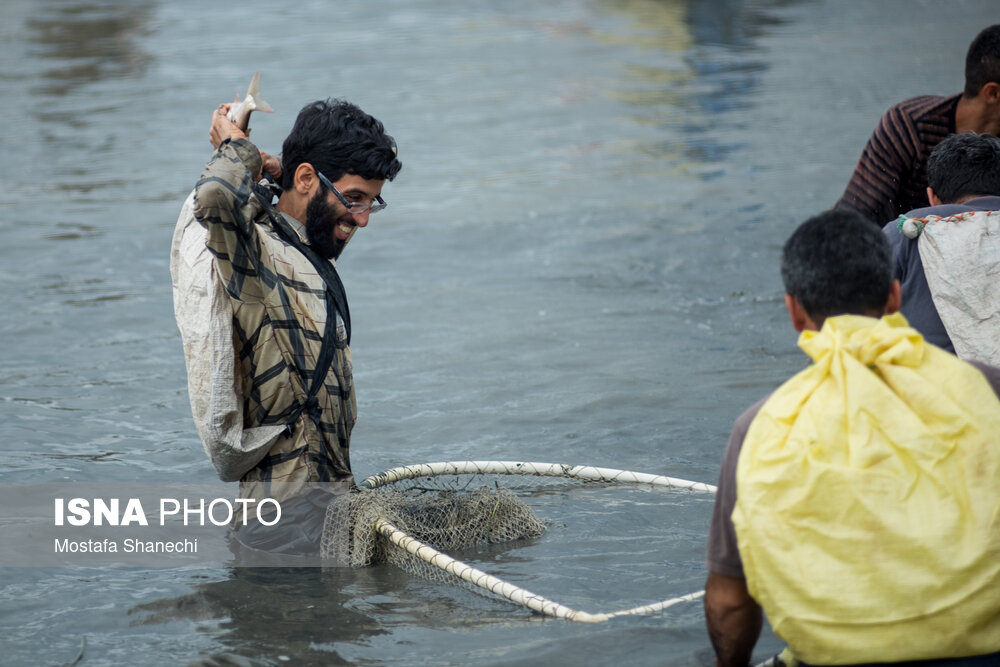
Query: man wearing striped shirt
[(891, 175)]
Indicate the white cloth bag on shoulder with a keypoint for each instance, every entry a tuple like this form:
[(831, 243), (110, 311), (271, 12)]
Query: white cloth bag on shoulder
[(961, 258), (205, 319)]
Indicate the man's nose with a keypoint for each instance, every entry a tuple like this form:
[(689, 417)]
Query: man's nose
[(361, 219)]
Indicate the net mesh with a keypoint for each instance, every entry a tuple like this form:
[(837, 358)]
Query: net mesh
[(447, 519)]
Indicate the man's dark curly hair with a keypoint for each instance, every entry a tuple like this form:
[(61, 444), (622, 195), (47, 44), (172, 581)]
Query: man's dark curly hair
[(964, 165), (337, 138)]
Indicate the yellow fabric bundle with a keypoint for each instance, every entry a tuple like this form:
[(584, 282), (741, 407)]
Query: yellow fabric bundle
[(868, 500)]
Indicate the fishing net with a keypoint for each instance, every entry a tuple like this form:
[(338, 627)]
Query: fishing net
[(443, 518), (417, 517)]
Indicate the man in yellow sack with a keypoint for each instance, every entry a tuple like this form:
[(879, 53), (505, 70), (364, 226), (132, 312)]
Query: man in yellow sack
[(859, 504)]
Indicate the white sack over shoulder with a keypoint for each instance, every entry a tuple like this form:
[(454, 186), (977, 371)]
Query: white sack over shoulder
[(205, 319), (961, 258)]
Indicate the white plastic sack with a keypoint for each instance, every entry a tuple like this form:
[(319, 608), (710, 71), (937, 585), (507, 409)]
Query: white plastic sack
[(961, 258), (205, 319)]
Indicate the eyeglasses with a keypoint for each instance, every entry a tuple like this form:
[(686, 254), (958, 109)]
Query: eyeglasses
[(353, 207)]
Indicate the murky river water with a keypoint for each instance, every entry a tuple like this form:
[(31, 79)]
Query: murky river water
[(579, 264)]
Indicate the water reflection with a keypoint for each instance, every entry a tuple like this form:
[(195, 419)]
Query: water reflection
[(72, 232), (707, 65), (263, 616), (662, 22), (78, 51), (85, 43), (734, 23), (314, 616)]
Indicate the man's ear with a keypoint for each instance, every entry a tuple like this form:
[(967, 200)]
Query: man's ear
[(933, 198), (990, 92), (895, 300), (305, 179), (800, 318)]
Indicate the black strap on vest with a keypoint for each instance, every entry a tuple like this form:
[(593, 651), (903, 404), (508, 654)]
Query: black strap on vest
[(336, 302)]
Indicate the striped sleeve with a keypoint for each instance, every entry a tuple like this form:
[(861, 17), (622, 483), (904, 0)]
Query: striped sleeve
[(875, 187), (891, 175), (226, 206)]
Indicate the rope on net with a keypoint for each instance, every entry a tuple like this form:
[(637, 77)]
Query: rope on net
[(495, 585)]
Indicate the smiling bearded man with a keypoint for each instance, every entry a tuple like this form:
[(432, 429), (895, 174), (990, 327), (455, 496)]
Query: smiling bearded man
[(278, 327)]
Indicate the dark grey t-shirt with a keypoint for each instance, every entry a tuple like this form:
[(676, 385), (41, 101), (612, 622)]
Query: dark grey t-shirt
[(723, 556)]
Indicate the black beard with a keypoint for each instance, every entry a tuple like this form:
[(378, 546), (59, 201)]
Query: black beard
[(321, 220)]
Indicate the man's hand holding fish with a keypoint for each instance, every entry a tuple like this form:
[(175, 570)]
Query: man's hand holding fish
[(224, 128)]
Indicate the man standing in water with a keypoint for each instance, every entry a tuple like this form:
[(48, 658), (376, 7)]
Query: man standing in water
[(288, 358), (858, 505), (891, 175)]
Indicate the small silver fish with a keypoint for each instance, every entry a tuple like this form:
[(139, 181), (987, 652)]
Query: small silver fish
[(239, 112)]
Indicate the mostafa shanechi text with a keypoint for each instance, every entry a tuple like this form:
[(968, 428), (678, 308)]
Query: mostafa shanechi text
[(128, 546)]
